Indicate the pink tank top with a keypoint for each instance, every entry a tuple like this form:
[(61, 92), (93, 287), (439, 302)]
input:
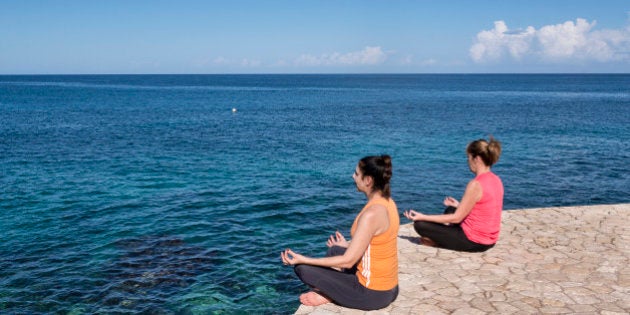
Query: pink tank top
[(483, 223)]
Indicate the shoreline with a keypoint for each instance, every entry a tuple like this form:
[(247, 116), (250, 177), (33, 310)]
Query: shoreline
[(548, 260)]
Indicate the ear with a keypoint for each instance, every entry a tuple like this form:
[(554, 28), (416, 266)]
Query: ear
[(479, 161), (368, 180)]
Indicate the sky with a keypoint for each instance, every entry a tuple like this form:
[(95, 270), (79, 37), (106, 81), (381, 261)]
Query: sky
[(308, 36)]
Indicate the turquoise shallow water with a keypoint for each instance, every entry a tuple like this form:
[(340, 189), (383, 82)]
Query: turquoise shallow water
[(148, 194)]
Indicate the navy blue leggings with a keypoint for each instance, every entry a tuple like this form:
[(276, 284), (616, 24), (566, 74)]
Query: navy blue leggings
[(343, 287)]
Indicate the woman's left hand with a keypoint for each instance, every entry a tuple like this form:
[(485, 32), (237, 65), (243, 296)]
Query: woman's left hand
[(337, 240), (451, 202), (290, 257)]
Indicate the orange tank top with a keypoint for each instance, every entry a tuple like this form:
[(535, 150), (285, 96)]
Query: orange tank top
[(378, 268)]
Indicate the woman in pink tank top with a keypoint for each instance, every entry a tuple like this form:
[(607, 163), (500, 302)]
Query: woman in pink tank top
[(473, 224)]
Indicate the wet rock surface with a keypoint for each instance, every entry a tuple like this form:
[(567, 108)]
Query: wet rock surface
[(149, 270)]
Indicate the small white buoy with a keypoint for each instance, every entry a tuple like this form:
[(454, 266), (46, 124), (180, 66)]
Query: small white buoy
[(233, 109)]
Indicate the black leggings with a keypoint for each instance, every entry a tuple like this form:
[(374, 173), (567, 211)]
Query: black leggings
[(343, 287), (449, 236)]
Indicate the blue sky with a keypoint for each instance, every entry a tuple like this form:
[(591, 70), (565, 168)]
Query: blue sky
[(307, 36)]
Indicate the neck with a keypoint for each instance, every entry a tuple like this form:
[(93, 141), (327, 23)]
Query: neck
[(482, 169), (373, 194)]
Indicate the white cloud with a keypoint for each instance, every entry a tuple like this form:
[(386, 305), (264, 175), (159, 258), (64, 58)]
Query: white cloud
[(245, 62), (220, 61), (566, 42), (406, 60), (368, 56), (429, 62), (250, 62), (493, 44)]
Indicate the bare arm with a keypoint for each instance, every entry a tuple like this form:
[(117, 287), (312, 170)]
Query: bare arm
[(372, 222), (472, 195)]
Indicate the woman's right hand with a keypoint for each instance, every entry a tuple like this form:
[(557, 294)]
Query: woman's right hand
[(413, 215), (290, 257), (337, 239)]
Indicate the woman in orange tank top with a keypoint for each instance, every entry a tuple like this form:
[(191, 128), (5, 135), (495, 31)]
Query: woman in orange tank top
[(363, 273)]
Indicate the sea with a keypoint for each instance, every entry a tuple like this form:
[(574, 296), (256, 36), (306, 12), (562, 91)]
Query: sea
[(175, 194)]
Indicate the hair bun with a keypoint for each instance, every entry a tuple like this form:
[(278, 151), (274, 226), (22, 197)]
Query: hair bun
[(387, 164)]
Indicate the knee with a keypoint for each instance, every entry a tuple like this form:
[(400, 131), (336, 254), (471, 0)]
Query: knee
[(420, 226), (307, 273), (301, 270)]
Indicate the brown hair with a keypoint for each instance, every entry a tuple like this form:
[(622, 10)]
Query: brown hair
[(489, 151), (380, 169)]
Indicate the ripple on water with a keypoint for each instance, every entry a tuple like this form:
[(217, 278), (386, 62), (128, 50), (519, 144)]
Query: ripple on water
[(163, 201)]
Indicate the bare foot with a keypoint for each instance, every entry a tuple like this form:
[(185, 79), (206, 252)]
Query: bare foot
[(427, 241), (313, 299)]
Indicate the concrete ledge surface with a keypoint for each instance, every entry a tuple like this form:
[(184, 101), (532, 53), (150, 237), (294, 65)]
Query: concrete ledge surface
[(563, 260)]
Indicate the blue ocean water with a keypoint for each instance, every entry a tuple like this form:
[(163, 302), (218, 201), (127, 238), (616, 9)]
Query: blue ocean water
[(147, 193)]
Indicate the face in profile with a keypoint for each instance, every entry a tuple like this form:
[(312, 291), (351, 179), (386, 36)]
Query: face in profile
[(471, 164), (358, 178)]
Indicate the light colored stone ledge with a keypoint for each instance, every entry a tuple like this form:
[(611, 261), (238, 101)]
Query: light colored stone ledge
[(563, 260)]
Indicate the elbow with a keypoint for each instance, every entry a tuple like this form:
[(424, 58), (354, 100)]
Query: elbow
[(346, 266), (348, 263), (456, 220)]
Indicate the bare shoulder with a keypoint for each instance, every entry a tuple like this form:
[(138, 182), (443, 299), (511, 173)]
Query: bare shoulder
[(473, 184), (474, 190), (375, 216), (375, 210)]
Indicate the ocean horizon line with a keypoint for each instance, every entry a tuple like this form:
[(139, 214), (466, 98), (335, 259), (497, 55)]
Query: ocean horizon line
[(316, 74)]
